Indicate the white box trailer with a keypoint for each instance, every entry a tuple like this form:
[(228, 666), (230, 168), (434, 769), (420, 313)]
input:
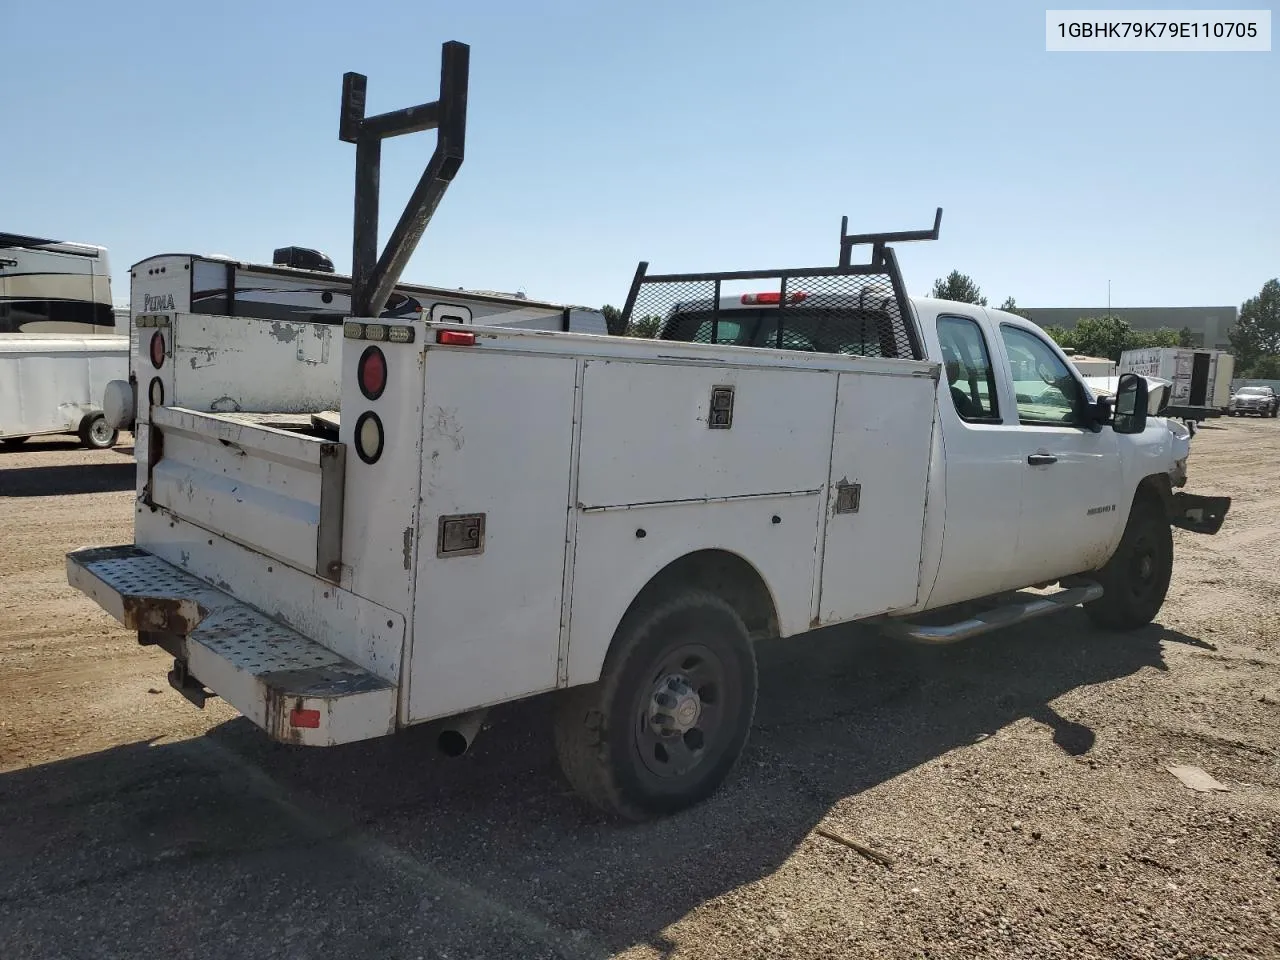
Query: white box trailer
[(54, 383), (1195, 393)]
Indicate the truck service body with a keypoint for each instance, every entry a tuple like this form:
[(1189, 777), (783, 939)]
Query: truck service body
[(500, 501), (507, 512)]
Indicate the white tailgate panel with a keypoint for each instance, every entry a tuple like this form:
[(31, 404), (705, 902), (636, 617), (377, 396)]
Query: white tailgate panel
[(486, 626), (612, 564), (645, 437), (229, 364), (260, 487), (353, 627), (883, 434)]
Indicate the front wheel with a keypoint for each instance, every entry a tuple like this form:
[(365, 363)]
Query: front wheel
[(1136, 578), (97, 434), (670, 714)]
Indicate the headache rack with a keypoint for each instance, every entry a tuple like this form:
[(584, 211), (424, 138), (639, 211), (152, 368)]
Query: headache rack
[(853, 308)]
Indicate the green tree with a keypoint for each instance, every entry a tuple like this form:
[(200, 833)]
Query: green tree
[(646, 326), (1256, 334), (1061, 335), (1266, 368), (1011, 306), (1163, 337), (958, 287), (613, 319), (1188, 339), (1105, 336)]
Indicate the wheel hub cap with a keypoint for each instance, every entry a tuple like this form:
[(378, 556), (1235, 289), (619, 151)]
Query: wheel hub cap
[(674, 707)]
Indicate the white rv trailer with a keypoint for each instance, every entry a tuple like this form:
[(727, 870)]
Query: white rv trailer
[(300, 285), (298, 358), (50, 286)]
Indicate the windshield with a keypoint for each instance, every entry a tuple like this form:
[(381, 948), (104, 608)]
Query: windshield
[(859, 333), (1255, 391)]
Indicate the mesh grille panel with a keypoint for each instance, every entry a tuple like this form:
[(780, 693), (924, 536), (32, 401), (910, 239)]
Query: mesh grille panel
[(853, 313)]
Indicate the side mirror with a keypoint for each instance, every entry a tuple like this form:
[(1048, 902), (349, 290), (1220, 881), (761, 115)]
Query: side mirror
[(1131, 404), (1097, 414)]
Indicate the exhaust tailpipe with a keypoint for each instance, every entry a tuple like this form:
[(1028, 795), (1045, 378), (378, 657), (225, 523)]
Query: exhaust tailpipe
[(460, 732)]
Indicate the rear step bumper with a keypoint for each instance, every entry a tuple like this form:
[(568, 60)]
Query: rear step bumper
[(1005, 616), (294, 688)]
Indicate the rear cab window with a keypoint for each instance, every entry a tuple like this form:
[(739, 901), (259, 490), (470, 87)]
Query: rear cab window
[(967, 367), (850, 331)]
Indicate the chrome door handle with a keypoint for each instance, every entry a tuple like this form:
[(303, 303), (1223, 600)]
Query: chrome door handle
[(1041, 459)]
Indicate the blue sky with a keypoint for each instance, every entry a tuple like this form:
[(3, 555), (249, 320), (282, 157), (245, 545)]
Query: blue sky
[(698, 136)]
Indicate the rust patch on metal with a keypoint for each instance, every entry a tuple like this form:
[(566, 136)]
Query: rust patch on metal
[(284, 332), (162, 614)]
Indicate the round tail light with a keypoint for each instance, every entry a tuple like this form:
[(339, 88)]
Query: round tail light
[(157, 349), (371, 374), (369, 437)]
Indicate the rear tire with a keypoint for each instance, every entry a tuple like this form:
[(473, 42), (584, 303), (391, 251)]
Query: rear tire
[(671, 713), (14, 441), (1136, 578), (97, 434)]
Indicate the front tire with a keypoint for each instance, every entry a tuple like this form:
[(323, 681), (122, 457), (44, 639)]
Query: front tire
[(670, 715), (1136, 579), (97, 434)]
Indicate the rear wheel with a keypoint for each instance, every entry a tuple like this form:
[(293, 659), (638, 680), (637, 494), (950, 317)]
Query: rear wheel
[(14, 441), (97, 434), (1136, 578), (670, 715)]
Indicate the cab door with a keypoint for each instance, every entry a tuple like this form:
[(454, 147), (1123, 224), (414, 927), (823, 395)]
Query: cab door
[(982, 460), (1071, 476)]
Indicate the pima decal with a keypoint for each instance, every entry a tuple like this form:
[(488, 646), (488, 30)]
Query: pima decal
[(1096, 510), (163, 301)]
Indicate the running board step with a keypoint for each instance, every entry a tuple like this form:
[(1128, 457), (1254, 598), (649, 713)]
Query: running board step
[(1005, 616)]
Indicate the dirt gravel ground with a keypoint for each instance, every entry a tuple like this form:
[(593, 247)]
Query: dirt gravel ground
[(1017, 782)]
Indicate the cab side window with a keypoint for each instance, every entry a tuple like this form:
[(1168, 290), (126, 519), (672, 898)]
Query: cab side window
[(967, 365), (1047, 393)]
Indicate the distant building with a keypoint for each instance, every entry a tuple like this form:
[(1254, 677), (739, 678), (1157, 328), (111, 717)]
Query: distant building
[(1208, 325)]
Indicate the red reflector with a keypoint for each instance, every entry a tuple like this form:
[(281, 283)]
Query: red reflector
[(371, 374), (771, 297), (304, 718), (456, 338), (157, 349)]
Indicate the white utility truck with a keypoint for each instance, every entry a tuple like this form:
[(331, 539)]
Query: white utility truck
[(53, 383), (508, 513)]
